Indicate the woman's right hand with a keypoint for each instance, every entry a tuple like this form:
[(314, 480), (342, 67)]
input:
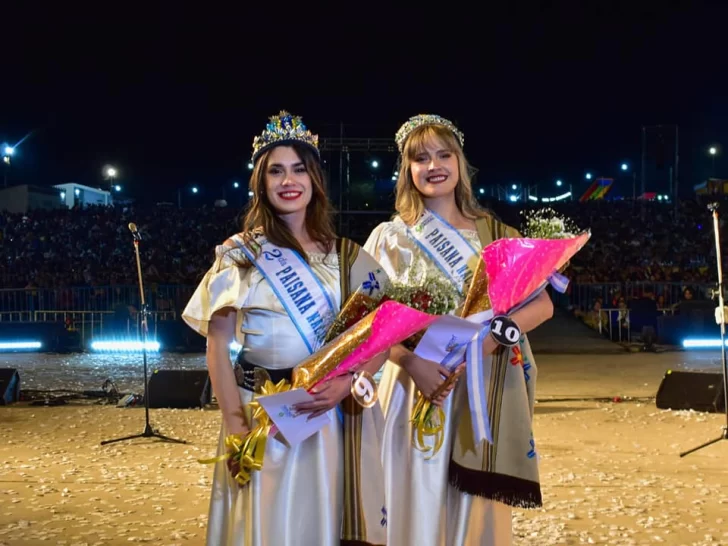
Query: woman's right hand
[(234, 465), (426, 374)]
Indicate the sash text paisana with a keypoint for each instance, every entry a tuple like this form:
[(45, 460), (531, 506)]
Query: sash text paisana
[(448, 251), (301, 298)]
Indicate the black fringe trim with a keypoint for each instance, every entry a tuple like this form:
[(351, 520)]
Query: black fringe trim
[(346, 542), (509, 490)]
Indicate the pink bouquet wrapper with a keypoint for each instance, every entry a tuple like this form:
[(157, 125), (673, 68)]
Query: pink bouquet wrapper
[(516, 271), (391, 324), (517, 268)]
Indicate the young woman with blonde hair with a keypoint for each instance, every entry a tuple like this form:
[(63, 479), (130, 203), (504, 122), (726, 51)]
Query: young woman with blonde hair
[(463, 494)]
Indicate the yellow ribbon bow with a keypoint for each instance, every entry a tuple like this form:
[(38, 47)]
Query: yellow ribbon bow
[(429, 420), (248, 452)]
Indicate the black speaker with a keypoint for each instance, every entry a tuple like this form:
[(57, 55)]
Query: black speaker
[(9, 386), (179, 389), (697, 391)]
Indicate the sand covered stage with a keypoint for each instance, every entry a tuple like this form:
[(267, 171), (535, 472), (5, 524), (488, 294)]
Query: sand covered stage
[(610, 470)]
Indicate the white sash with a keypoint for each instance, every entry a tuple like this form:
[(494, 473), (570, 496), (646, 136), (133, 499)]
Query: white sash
[(445, 246), (306, 300)]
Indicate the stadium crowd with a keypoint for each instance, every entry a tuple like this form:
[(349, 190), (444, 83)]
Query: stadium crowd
[(655, 242)]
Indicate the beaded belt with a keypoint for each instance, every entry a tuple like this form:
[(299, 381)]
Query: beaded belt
[(245, 374)]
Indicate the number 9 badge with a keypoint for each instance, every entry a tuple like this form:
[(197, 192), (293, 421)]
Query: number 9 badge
[(364, 389)]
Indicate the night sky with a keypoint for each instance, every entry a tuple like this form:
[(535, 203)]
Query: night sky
[(544, 91)]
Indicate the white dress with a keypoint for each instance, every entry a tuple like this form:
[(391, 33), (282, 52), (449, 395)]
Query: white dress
[(424, 509), (296, 499)]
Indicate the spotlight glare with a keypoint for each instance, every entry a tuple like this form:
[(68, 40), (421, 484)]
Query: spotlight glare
[(124, 346), (702, 343), (16, 345)]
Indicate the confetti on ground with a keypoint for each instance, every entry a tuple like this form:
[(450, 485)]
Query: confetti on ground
[(610, 472)]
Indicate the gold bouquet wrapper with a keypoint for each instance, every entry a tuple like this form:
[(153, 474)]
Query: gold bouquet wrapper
[(317, 366), (477, 299), (427, 419), (249, 452)]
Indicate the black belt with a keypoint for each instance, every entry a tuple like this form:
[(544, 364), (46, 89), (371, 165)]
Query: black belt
[(245, 374)]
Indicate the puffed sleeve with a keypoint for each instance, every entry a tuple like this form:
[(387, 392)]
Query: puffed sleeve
[(374, 243), (366, 272), (226, 284), (392, 248)]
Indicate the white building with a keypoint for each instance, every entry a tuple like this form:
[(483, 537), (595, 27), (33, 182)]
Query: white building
[(73, 194), (24, 198)]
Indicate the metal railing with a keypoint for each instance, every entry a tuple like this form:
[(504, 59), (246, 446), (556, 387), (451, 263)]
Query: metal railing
[(161, 298), (92, 324), (615, 323), (584, 295), (620, 317), (16, 316)]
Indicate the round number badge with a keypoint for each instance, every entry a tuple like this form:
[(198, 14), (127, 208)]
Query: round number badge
[(364, 389), (505, 331)]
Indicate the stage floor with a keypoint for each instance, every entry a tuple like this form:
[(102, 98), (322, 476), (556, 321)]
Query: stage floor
[(610, 470)]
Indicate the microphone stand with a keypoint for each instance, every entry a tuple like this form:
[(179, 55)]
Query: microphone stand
[(713, 208), (149, 432)]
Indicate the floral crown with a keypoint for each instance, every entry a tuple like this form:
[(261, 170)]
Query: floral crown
[(425, 119), (282, 129)]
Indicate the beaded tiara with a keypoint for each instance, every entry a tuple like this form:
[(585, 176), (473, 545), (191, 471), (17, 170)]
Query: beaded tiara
[(281, 129), (425, 119)]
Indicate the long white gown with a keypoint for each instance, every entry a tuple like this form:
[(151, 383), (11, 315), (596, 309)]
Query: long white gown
[(424, 509), (296, 499)]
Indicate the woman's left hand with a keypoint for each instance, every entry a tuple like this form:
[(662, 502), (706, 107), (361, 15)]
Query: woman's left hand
[(326, 396)]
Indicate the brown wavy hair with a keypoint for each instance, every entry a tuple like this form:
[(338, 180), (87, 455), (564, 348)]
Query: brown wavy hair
[(261, 216), (409, 202)]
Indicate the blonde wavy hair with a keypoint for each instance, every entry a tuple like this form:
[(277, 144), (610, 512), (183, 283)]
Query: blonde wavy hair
[(409, 202)]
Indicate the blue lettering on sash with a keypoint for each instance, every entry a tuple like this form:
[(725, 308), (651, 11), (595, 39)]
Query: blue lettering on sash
[(294, 286), (465, 272), (434, 231), (317, 324), (445, 246), (272, 254), (448, 251)]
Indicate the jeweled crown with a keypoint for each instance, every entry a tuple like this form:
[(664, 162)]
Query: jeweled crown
[(425, 119), (281, 129)]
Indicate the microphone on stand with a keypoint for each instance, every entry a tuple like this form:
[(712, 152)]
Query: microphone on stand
[(148, 432), (134, 231)]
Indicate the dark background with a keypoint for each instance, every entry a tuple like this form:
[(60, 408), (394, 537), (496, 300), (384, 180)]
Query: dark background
[(542, 91)]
